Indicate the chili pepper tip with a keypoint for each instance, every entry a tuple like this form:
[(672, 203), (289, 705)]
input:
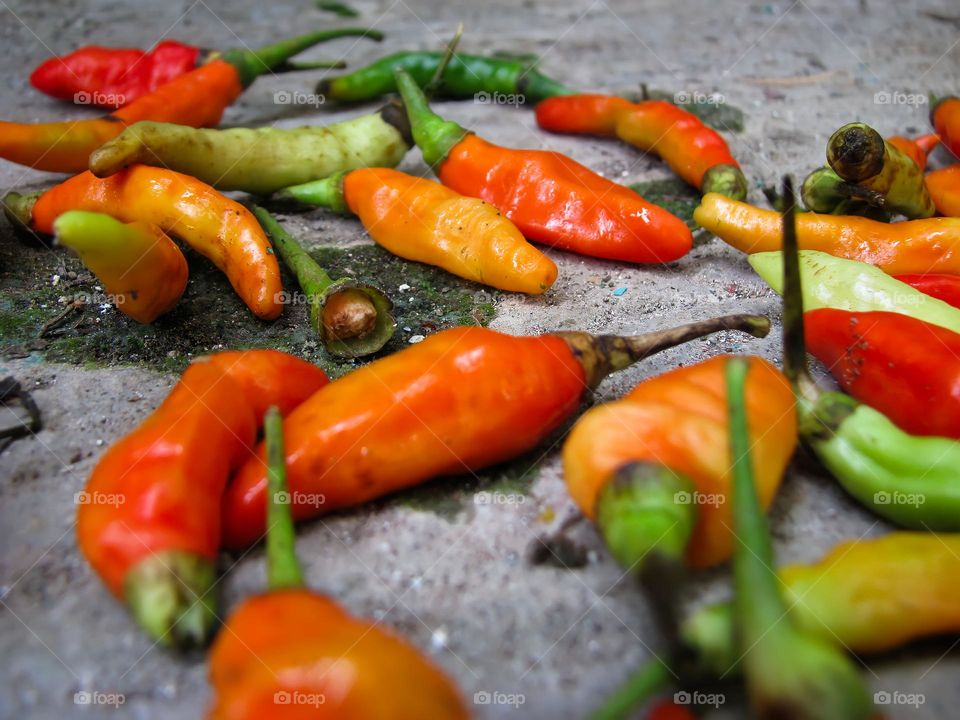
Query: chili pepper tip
[(856, 152)]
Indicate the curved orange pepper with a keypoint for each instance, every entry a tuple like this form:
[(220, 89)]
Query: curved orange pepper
[(944, 187), (945, 118)]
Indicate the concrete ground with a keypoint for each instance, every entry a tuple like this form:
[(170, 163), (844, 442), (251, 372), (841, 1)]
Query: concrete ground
[(451, 574)]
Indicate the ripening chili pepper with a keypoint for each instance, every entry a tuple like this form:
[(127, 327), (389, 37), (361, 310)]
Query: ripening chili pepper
[(653, 468), (465, 76), (463, 399), (142, 270), (217, 227), (694, 151), (906, 368), (915, 246), (917, 149), (352, 319), (859, 154), (114, 77), (552, 199), (197, 99), (294, 653), (942, 287), (945, 118), (944, 187), (149, 518), (422, 220)]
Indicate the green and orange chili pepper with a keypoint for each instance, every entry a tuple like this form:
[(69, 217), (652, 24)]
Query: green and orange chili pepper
[(461, 400), (552, 199), (917, 149), (217, 227), (694, 151), (149, 517), (422, 220), (294, 653), (945, 118), (944, 187)]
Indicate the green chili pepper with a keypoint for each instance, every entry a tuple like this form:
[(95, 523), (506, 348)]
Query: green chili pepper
[(352, 319), (823, 191), (859, 154), (260, 160), (466, 76)]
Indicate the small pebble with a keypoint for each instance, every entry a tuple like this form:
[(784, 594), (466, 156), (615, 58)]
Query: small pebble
[(620, 291), (416, 338), (403, 288)]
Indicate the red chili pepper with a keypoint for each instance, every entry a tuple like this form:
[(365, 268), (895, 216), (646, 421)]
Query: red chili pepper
[(668, 710), (939, 285), (552, 199), (906, 368)]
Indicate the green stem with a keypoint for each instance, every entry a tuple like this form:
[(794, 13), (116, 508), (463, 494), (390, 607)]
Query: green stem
[(296, 66), (283, 568), (313, 279), (437, 79), (794, 343), (327, 193), (435, 136), (337, 8), (638, 688)]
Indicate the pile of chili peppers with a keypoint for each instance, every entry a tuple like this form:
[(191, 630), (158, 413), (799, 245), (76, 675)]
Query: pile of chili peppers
[(873, 297)]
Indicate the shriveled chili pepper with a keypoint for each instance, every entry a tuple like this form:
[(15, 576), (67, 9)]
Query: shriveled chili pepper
[(945, 118), (944, 187), (859, 154), (931, 245), (552, 199), (906, 368), (353, 319), (697, 153), (943, 287), (113, 77), (823, 191), (917, 149), (465, 76), (419, 219), (295, 653), (463, 399), (142, 270), (217, 227), (653, 469), (149, 518), (197, 99)]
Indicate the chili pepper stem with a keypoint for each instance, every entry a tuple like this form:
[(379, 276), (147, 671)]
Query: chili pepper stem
[(434, 136), (856, 152), (327, 193), (638, 688), (170, 594), (602, 355), (283, 568)]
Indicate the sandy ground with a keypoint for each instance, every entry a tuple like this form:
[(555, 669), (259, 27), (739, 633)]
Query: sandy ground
[(457, 582)]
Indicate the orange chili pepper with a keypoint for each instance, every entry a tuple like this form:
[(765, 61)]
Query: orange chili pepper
[(944, 187), (945, 118), (462, 399), (551, 198), (930, 245), (149, 518), (654, 467), (219, 228), (917, 149), (695, 152), (293, 653), (419, 219)]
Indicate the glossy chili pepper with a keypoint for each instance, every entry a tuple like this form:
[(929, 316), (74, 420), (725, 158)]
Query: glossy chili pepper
[(552, 199), (260, 160), (694, 151), (870, 594), (422, 220), (945, 118), (197, 99), (906, 368), (142, 270), (944, 187), (942, 287), (464, 77), (217, 227), (149, 518), (859, 154), (462, 399), (916, 246), (113, 77), (917, 149), (653, 469), (353, 319), (294, 653)]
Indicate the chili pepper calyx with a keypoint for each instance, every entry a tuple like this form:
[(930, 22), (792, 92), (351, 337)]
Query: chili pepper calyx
[(708, 642), (856, 152), (353, 319), (170, 594), (434, 136), (19, 209), (725, 179), (327, 193), (821, 419)]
